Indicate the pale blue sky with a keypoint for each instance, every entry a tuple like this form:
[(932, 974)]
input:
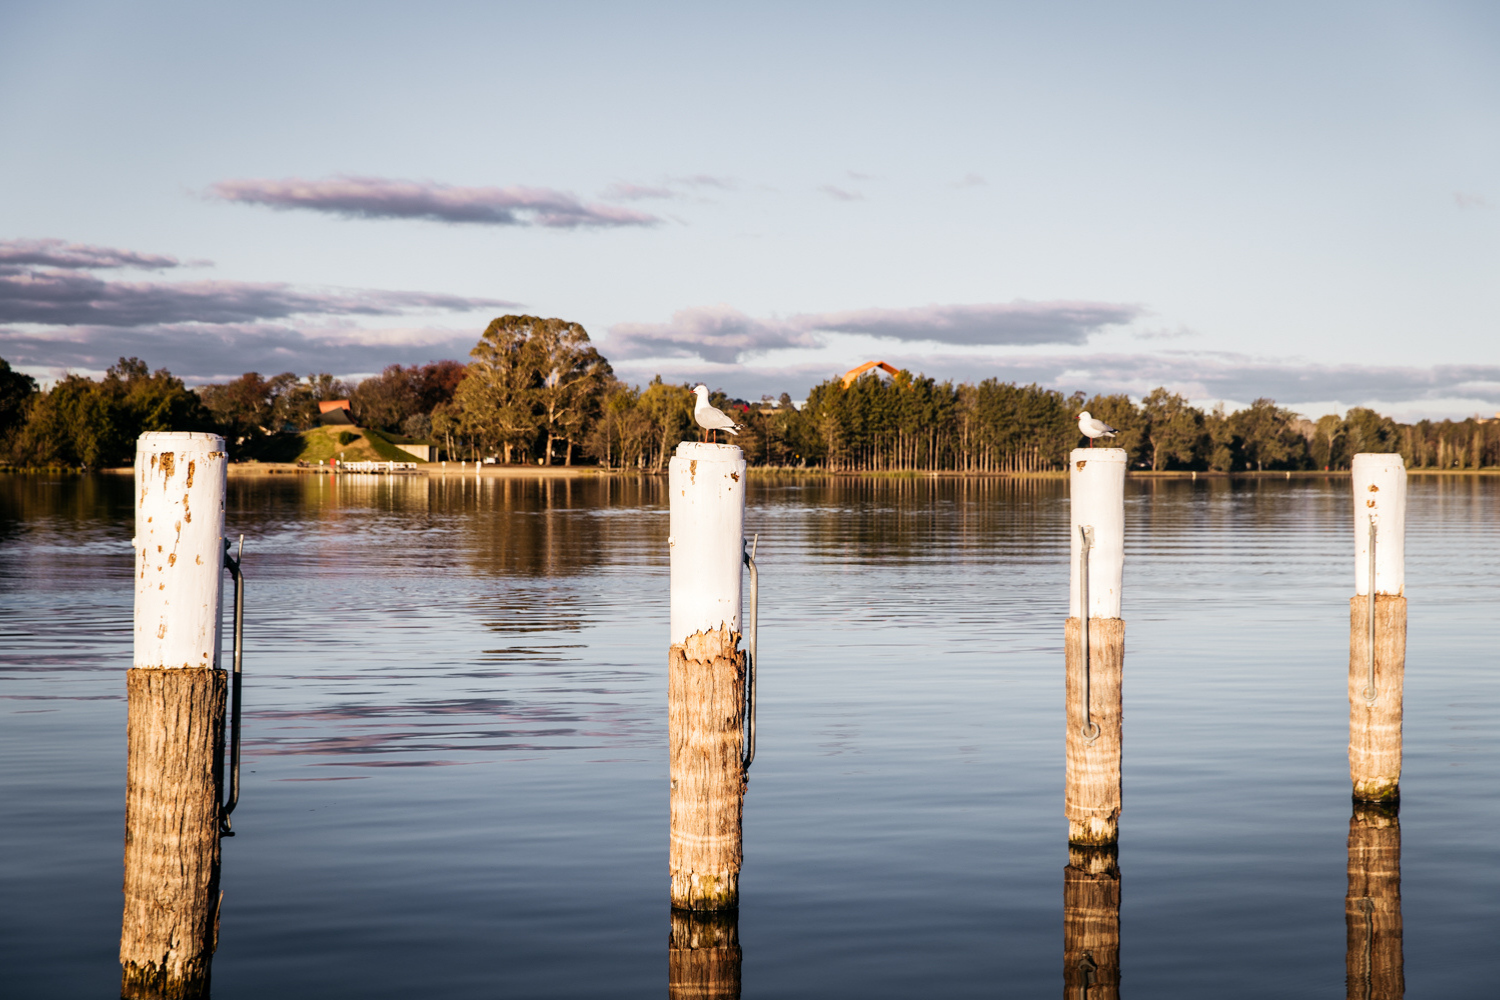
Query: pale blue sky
[(1293, 200)]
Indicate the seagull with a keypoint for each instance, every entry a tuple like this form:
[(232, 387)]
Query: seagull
[(711, 418), (1093, 428)]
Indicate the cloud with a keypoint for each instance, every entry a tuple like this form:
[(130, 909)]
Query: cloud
[(722, 334), (970, 180), (201, 352), (708, 180), (55, 316), (56, 297), (626, 191), (995, 323), (17, 254), (1464, 199), (713, 333), (840, 194), (380, 198)]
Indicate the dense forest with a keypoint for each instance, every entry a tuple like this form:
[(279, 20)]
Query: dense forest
[(537, 391)]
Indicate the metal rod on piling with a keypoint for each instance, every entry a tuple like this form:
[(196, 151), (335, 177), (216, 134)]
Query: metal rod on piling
[(706, 699), (1377, 627), (1095, 644), (175, 724)]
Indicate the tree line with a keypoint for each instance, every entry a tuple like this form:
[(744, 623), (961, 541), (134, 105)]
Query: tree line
[(538, 391)]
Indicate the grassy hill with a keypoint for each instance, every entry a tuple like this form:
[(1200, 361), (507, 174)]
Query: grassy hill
[(362, 445)]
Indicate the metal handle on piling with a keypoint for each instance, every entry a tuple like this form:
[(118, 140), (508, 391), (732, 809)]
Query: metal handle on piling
[(1089, 732), (750, 655), (232, 563), (1370, 693)]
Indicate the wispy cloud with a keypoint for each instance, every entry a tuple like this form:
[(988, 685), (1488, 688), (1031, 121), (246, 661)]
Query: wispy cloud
[(708, 181), (840, 194), (626, 191), (989, 323), (382, 198), (714, 333), (1465, 199), (722, 334), (970, 180), (17, 254)]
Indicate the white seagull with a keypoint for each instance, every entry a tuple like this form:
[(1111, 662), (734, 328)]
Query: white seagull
[(711, 418), (1093, 428)]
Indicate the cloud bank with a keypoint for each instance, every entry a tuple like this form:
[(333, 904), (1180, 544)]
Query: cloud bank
[(65, 298), (722, 334), (54, 315), (381, 198), (200, 352)]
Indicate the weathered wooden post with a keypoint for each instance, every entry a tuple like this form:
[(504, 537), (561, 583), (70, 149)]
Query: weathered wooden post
[(1377, 627), (1094, 669), (1373, 960), (703, 955), (175, 727), (706, 675), (1091, 924)]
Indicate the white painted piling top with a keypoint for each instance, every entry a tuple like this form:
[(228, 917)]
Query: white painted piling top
[(1096, 484), (1379, 488), (705, 542), (179, 548)]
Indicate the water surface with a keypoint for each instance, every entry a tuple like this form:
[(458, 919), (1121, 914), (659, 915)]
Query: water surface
[(455, 738)]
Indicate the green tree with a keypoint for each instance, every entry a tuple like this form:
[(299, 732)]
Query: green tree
[(1267, 439), (573, 375), (1175, 433)]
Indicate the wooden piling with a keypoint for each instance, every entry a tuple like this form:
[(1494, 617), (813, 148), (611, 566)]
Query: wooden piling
[(1373, 960), (1375, 703), (175, 719), (1091, 924), (1092, 800), (706, 676), (1092, 793), (703, 956)]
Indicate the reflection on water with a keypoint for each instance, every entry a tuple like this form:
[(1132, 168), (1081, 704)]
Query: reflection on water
[(703, 955), (455, 777), (1372, 909), (1091, 924)]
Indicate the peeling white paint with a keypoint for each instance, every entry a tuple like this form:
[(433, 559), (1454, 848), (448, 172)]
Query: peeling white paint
[(177, 599), (1096, 481), (706, 537), (1380, 492)]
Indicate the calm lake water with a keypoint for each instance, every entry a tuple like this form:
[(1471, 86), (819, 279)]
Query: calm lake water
[(455, 739)]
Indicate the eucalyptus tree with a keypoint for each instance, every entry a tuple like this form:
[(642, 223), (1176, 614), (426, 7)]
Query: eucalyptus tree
[(1174, 429), (497, 398)]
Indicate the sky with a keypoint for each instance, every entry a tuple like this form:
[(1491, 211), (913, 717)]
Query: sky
[(1232, 200)]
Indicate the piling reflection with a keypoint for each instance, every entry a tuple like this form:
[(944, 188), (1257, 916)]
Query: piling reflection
[(1091, 924), (1372, 909), (703, 955)]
